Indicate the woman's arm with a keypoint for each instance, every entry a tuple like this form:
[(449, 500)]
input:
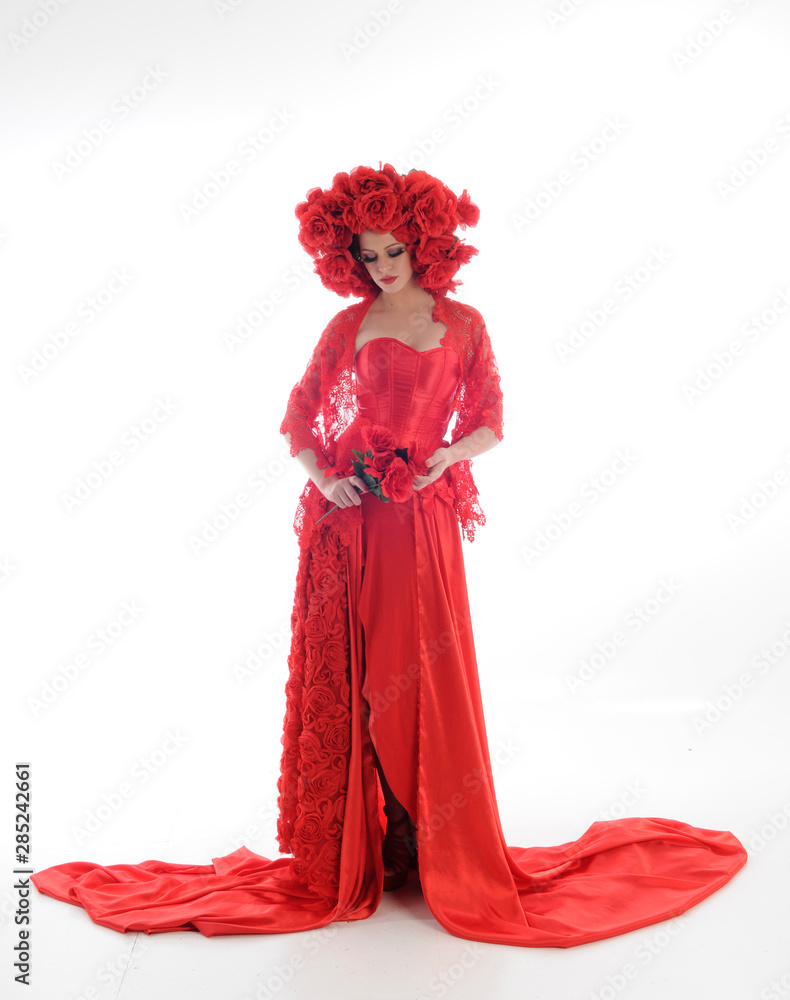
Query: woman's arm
[(336, 489), (474, 444), (480, 440)]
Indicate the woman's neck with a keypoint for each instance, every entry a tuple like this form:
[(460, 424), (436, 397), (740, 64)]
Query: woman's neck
[(409, 299)]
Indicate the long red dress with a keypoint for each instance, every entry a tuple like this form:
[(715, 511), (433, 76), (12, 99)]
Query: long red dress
[(383, 656)]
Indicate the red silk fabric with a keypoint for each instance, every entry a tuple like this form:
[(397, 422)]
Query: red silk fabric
[(383, 656)]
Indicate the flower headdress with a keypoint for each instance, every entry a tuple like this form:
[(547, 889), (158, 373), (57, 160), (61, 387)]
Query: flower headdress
[(418, 209)]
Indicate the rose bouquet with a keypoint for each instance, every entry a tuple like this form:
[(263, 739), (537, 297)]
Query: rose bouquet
[(385, 469)]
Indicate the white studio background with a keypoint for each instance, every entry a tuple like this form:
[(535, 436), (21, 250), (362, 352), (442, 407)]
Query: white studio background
[(630, 590)]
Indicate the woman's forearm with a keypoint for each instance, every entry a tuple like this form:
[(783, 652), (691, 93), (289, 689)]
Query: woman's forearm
[(307, 458), (474, 444)]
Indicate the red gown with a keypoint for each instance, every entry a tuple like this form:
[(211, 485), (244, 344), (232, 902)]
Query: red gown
[(383, 656)]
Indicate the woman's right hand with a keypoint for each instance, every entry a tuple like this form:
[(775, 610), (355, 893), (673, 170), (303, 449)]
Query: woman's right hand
[(340, 490)]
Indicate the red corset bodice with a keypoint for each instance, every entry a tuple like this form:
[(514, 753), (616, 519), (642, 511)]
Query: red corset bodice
[(409, 391)]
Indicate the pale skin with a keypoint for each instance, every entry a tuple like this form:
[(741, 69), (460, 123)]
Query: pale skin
[(402, 310)]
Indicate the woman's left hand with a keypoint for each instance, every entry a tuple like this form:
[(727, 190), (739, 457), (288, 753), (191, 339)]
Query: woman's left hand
[(436, 464)]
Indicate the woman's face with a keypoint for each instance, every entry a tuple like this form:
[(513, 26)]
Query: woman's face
[(385, 259)]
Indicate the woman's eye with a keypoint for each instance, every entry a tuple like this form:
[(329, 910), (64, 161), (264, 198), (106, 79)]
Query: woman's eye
[(390, 253)]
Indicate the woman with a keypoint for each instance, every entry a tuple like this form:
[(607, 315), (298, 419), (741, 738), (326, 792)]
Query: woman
[(410, 394), (384, 723)]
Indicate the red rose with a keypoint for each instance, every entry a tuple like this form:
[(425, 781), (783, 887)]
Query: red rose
[(312, 196), (408, 232), (327, 782), (468, 212), (329, 584), (438, 274), (436, 248), (320, 228), (341, 183), (336, 265), (378, 438), (320, 699), (314, 626), (339, 207), (341, 189), (310, 747), (433, 213), (464, 253), (334, 656), (377, 198), (379, 463), (309, 829), (431, 203), (337, 274), (338, 737), (398, 483), (315, 232), (379, 210), (364, 180)]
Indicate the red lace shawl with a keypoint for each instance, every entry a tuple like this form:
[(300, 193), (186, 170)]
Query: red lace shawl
[(322, 410), (319, 729)]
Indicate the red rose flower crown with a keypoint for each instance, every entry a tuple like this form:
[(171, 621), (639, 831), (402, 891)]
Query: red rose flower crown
[(417, 208)]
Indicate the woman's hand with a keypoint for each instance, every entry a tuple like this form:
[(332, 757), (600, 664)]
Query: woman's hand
[(340, 490), (436, 464)]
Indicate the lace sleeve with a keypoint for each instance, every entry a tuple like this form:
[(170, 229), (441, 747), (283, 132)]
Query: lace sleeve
[(304, 417), (479, 402)]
